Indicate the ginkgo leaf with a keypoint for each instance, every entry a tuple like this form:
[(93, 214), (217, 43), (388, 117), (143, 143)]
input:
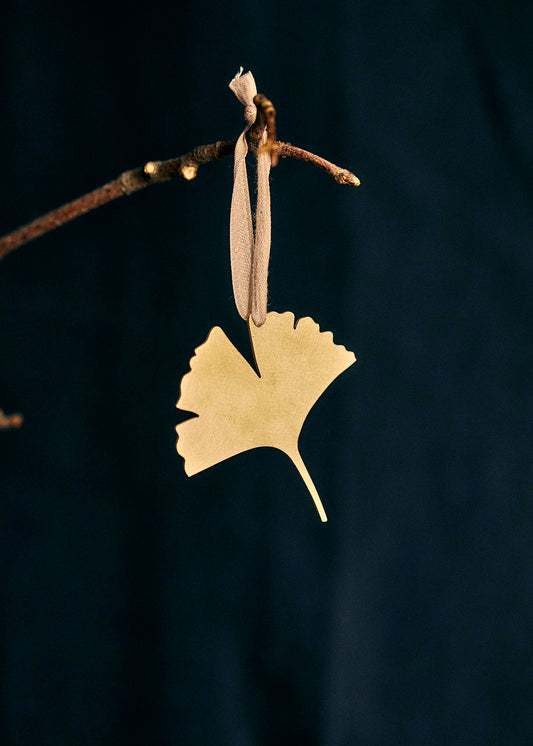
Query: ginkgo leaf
[(239, 408)]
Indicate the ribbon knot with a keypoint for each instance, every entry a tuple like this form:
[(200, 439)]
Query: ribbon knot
[(250, 113), (249, 254)]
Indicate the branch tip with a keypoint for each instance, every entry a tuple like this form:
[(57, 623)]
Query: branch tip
[(346, 177), (10, 421)]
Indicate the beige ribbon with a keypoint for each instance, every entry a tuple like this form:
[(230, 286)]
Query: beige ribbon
[(249, 255)]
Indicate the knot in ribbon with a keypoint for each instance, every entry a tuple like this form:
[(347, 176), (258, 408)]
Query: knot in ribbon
[(250, 113), (249, 254)]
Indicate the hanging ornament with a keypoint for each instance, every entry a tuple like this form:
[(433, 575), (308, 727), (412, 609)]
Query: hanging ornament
[(239, 408)]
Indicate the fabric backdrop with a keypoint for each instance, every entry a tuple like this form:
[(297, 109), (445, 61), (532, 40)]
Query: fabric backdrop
[(143, 607)]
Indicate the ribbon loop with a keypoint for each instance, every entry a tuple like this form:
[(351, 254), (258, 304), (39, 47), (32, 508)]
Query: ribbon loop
[(249, 255)]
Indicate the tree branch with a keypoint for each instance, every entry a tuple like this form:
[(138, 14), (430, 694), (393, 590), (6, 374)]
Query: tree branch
[(157, 172)]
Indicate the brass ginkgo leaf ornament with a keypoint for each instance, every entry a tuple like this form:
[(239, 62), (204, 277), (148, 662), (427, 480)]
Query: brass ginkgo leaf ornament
[(239, 408)]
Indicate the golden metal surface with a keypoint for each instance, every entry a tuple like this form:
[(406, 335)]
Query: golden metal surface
[(239, 409)]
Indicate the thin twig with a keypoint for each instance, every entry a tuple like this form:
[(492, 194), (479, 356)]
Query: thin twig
[(186, 166), (153, 172), (341, 175)]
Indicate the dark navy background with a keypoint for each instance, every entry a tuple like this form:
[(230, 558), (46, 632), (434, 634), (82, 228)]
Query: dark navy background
[(143, 607)]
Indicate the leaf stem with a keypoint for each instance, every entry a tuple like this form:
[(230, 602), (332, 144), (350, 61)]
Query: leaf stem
[(299, 464)]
